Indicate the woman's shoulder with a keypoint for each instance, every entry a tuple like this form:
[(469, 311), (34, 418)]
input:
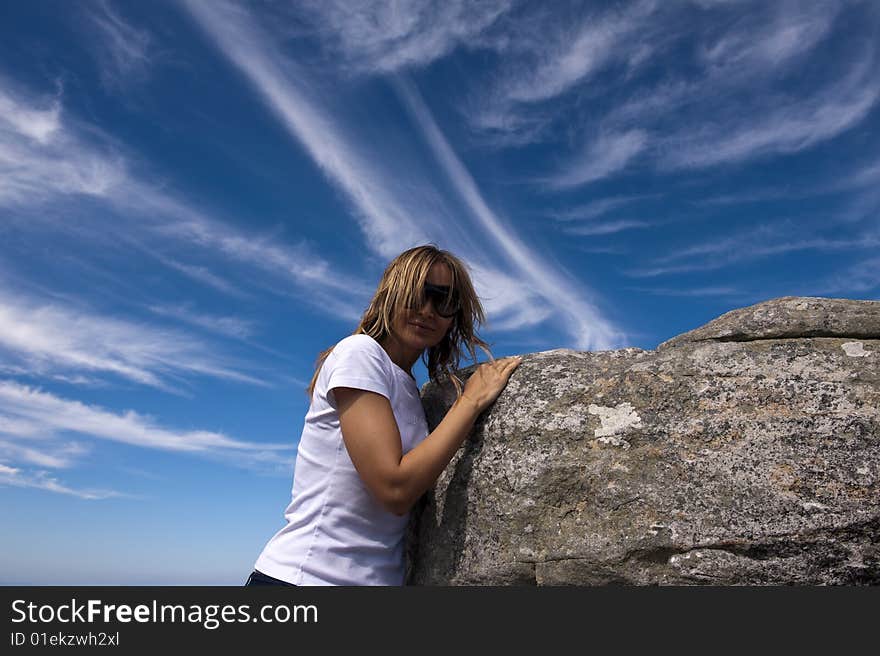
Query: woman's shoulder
[(361, 357), (360, 344)]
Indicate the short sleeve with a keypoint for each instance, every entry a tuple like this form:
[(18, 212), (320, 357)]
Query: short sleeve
[(361, 363)]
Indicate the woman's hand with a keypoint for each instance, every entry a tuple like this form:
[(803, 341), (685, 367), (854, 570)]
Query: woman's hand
[(487, 382)]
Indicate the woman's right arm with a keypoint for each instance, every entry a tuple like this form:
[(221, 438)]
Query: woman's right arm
[(373, 441)]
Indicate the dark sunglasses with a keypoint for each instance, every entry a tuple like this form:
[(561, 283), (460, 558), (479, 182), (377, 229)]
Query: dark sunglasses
[(445, 304)]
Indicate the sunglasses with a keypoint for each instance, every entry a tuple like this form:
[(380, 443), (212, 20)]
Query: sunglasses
[(445, 304)]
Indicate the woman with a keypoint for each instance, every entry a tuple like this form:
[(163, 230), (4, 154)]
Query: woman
[(365, 456)]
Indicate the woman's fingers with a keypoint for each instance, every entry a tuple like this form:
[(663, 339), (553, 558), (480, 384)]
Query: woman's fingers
[(511, 363), (490, 379), (510, 367), (505, 367)]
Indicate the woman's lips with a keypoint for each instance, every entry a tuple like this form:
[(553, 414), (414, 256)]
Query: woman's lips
[(422, 326)]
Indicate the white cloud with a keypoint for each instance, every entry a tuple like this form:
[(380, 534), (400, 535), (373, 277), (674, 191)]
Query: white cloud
[(604, 250), (861, 277), (794, 126), (43, 160), (388, 229), (734, 110), (608, 154), (510, 302), (725, 108), (35, 424), (317, 282), (867, 176), (572, 55), (605, 227), (759, 41), (550, 52), (763, 242), (748, 127), (757, 196), (389, 35), (584, 321), (201, 274), (388, 225), (37, 124), (48, 338), (234, 327), (123, 51), (42, 452), (58, 415), (39, 159), (44, 481), (520, 317), (694, 292), (595, 208)]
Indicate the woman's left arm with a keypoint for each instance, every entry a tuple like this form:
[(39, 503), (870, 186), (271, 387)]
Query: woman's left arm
[(373, 440)]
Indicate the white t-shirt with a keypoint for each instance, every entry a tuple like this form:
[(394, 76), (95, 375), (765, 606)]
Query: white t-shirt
[(337, 533)]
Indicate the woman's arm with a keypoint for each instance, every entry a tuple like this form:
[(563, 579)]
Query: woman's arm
[(373, 440)]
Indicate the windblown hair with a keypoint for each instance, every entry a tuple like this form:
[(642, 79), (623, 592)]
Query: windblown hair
[(400, 288)]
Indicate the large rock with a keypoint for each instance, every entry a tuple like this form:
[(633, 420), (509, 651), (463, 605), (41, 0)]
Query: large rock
[(744, 452)]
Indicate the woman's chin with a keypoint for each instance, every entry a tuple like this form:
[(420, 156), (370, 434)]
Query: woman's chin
[(420, 343)]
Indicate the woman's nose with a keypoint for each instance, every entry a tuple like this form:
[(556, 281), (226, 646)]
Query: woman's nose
[(427, 308)]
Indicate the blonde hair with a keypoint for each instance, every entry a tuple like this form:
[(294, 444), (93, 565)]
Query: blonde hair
[(401, 287)]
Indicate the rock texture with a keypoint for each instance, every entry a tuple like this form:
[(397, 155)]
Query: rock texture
[(744, 452)]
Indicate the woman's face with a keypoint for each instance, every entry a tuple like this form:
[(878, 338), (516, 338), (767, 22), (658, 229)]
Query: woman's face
[(423, 328)]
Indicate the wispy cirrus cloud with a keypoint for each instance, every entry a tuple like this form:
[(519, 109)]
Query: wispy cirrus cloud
[(52, 338), (22, 121), (861, 277), (228, 326), (34, 425), (595, 208), (36, 447), (605, 227), (588, 327), (123, 52), (40, 159), (201, 274), (868, 176), (608, 154), (761, 242), (758, 41), (725, 107), (46, 159), (585, 220), (731, 110), (695, 292), (231, 327), (388, 227), (752, 196), (43, 480), (55, 415), (573, 53), (509, 301), (386, 36), (548, 52), (787, 126)]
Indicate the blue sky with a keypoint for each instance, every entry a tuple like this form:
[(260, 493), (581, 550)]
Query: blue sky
[(198, 197)]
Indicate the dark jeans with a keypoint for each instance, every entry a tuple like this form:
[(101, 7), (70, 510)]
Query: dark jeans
[(258, 578)]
